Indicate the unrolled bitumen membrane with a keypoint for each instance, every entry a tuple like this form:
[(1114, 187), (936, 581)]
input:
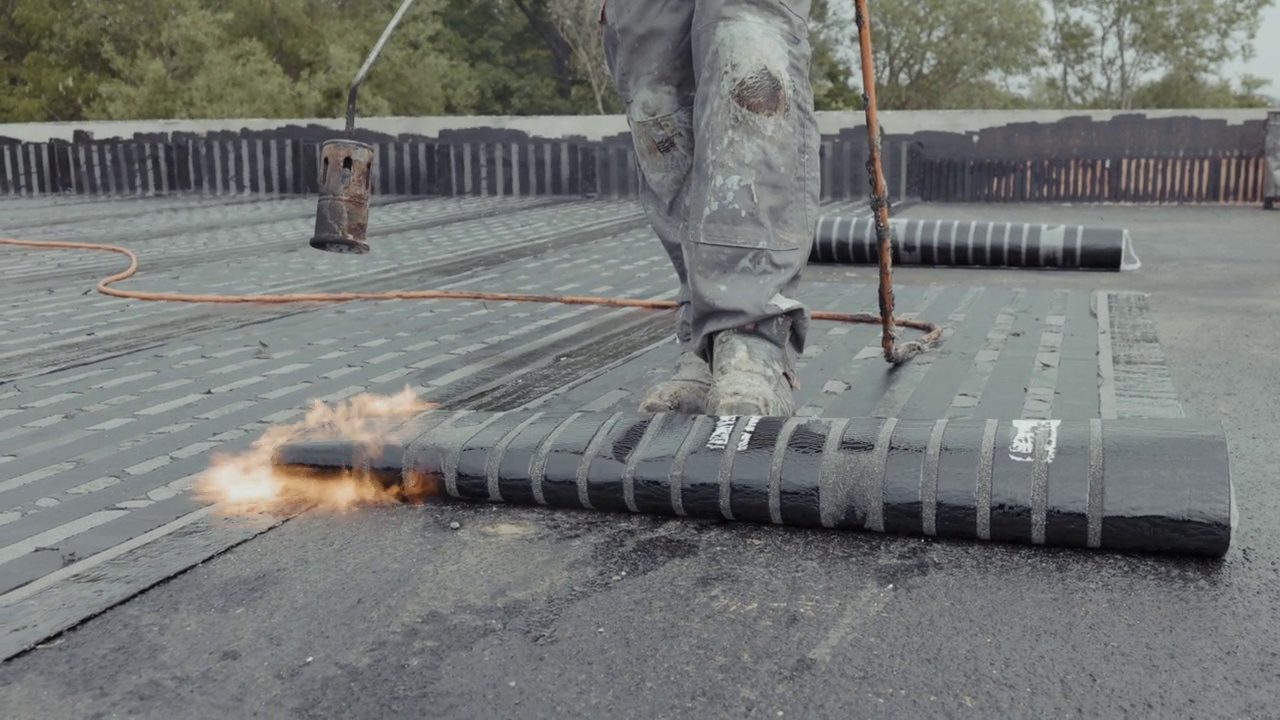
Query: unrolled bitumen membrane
[(965, 243), (1149, 485)]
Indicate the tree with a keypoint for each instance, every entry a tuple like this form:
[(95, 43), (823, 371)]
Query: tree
[(832, 80), (946, 54), (578, 22), (1070, 78), (515, 71), (120, 59), (1178, 89), (543, 24), (192, 68), (413, 76), (320, 44), (300, 34), (1104, 51), (73, 60), (51, 55)]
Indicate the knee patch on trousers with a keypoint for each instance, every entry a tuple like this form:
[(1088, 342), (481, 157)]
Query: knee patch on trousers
[(760, 92), (755, 67), (663, 134), (756, 140)]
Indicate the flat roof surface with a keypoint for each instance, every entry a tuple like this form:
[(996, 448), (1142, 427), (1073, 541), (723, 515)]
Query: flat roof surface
[(109, 407)]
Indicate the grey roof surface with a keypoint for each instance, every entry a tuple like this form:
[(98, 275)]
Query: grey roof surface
[(109, 407)]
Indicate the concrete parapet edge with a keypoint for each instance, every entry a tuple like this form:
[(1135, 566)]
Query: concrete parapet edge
[(595, 127)]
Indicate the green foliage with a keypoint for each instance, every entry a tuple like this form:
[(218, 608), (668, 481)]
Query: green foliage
[(51, 59), (73, 60), (1180, 89), (412, 75), (952, 54), (833, 84), (514, 71), (194, 68), (1104, 53)]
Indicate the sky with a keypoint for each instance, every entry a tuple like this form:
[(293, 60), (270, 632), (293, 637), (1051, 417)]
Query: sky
[(1264, 64), (1266, 59)]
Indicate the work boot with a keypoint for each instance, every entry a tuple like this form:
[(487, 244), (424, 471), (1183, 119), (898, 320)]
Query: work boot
[(750, 373), (685, 392)]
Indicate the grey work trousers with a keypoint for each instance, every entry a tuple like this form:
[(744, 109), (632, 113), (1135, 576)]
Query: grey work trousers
[(720, 108)]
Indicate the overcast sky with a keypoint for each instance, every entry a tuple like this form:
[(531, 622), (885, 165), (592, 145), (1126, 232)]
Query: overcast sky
[(1266, 60), (1265, 63)]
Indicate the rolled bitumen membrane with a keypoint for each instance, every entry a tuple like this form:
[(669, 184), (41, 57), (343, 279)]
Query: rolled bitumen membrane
[(1150, 485), (964, 243)]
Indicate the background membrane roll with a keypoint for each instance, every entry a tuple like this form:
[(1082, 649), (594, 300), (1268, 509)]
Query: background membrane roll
[(964, 243), (1158, 485)]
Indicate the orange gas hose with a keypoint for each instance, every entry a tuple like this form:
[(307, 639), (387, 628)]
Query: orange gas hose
[(932, 331)]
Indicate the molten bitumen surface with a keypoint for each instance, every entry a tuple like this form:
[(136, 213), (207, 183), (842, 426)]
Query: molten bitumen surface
[(108, 408)]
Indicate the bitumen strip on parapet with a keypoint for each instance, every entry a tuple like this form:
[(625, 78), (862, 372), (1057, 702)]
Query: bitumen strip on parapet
[(111, 407)]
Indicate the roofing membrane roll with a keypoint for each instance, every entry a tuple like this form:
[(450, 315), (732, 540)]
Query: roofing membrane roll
[(1151, 485), (965, 243)]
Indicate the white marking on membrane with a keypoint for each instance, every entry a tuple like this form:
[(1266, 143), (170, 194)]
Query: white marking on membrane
[(1025, 443), (56, 535), (720, 435), (88, 564), (35, 475)]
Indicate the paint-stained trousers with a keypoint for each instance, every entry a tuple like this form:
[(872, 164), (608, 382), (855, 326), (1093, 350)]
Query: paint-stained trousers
[(720, 107)]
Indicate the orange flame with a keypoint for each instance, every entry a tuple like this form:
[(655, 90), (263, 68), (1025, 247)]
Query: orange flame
[(249, 483)]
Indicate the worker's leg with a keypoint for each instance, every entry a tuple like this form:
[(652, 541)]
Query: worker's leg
[(753, 198), (648, 47)]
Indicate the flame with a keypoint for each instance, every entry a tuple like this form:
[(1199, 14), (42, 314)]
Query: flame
[(249, 483)]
